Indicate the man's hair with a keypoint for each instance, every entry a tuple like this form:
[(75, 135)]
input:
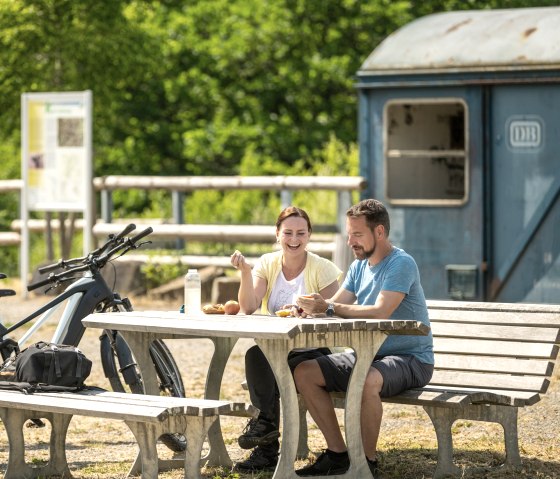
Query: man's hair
[(293, 211), (373, 211)]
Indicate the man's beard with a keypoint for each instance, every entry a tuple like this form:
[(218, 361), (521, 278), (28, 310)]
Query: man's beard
[(362, 254)]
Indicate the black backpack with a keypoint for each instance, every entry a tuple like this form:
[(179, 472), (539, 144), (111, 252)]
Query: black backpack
[(47, 367)]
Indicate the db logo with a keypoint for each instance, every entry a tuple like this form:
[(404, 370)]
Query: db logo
[(525, 134)]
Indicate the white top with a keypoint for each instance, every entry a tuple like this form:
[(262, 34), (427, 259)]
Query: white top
[(285, 292)]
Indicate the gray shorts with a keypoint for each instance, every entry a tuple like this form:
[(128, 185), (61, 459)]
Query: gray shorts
[(399, 372)]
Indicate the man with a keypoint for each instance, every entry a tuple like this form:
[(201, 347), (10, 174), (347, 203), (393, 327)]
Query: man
[(383, 282)]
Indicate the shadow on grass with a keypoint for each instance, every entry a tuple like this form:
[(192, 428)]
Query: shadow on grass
[(421, 464)]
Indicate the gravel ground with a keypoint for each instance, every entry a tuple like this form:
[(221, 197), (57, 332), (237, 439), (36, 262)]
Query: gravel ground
[(106, 449)]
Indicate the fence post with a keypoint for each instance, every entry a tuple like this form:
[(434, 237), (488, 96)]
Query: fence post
[(177, 198), (106, 205), (342, 255), (285, 198)]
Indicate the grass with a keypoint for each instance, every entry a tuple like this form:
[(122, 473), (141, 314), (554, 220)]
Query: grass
[(98, 449)]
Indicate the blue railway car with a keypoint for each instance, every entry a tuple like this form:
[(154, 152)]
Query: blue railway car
[(459, 134)]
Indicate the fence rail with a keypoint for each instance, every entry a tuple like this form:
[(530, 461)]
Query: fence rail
[(178, 186)]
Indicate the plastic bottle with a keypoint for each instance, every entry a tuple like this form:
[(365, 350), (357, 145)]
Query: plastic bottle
[(192, 292)]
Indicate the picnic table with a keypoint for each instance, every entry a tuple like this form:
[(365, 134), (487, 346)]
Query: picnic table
[(276, 337)]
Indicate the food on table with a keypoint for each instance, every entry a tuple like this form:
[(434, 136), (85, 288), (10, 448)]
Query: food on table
[(284, 313), (231, 307), (213, 309)]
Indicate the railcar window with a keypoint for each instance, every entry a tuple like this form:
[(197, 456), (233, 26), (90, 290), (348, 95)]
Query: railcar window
[(426, 160)]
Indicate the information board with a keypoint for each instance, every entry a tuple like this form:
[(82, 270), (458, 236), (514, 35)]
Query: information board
[(56, 159)]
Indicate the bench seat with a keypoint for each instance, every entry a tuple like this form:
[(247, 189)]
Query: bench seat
[(148, 417), (490, 360)]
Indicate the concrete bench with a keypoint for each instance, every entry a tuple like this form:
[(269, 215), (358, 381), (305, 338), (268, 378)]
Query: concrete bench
[(148, 417), (490, 360)]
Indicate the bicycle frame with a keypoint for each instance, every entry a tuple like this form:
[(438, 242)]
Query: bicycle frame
[(80, 299), (89, 294)]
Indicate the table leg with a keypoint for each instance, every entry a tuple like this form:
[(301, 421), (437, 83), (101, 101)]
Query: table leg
[(139, 343), (276, 353), (218, 454), (365, 345)]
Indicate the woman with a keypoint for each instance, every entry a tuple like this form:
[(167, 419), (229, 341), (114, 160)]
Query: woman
[(274, 284)]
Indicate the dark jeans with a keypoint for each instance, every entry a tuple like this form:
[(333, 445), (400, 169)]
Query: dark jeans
[(262, 386)]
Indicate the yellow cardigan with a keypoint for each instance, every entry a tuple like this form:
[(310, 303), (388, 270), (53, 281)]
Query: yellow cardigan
[(318, 273)]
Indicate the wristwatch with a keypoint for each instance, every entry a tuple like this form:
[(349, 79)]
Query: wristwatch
[(330, 310)]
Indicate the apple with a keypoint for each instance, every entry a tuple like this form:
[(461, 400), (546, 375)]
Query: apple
[(231, 307)]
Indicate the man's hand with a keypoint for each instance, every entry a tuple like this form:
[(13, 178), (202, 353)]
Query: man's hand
[(311, 304)]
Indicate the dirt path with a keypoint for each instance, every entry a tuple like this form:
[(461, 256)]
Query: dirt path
[(106, 449)]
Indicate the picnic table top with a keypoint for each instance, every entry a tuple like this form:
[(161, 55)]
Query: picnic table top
[(163, 322)]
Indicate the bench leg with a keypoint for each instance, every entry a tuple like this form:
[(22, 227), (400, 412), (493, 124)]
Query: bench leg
[(147, 460), (507, 417), (14, 422), (196, 431), (194, 428), (443, 419)]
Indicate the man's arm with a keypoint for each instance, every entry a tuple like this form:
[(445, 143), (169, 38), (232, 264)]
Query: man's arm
[(385, 305)]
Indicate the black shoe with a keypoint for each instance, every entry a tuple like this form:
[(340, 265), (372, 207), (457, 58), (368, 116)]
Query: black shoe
[(374, 469), (327, 464), (258, 432), (259, 460)]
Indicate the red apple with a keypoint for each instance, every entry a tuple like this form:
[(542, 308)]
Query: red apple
[(231, 307)]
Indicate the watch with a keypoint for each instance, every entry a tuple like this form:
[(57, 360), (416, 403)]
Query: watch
[(330, 310)]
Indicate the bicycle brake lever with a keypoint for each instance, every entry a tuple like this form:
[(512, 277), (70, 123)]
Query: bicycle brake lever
[(59, 283)]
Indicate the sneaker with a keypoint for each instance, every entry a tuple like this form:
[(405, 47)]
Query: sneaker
[(258, 432), (374, 468), (327, 464), (259, 460)]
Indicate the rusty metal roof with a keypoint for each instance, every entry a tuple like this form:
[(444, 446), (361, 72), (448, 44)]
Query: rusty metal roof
[(511, 39)]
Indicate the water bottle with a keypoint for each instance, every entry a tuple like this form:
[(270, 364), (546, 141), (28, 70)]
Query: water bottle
[(192, 292)]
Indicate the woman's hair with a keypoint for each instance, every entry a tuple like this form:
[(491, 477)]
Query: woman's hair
[(293, 211), (373, 211)]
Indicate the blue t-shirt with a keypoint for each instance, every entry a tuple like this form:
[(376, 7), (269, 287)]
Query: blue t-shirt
[(397, 272)]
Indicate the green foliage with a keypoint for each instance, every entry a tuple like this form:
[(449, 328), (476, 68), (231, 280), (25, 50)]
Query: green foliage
[(219, 87), (262, 207), (156, 274)]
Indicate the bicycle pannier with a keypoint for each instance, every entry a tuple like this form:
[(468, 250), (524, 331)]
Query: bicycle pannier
[(52, 365)]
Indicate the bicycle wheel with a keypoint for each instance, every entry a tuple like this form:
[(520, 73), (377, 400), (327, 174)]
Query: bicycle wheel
[(170, 381)]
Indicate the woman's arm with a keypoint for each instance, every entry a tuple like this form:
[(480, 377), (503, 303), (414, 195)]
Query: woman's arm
[(251, 290)]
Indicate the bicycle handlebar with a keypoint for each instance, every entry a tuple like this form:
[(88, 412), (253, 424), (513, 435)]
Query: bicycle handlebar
[(149, 230), (65, 264), (127, 244), (38, 284), (95, 260), (123, 233), (62, 263)]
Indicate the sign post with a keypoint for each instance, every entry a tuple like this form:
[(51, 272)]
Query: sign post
[(56, 161)]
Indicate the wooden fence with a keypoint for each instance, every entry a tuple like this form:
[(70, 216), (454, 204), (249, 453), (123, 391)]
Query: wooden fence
[(178, 186)]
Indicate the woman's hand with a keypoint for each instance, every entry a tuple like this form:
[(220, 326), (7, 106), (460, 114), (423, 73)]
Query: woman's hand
[(239, 262)]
